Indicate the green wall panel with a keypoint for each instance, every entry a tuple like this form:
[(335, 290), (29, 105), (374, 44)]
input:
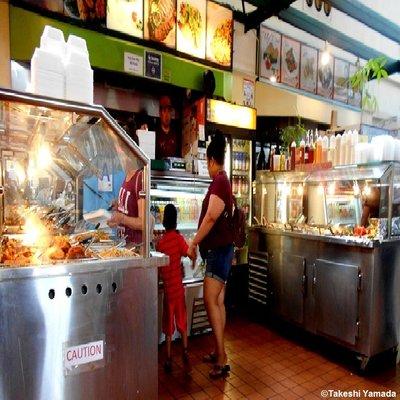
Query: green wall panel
[(107, 52)]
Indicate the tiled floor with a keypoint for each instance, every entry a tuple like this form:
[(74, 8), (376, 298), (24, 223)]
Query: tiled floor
[(278, 363)]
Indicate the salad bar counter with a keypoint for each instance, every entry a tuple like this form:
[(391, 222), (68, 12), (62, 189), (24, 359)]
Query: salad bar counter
[(325, 254)]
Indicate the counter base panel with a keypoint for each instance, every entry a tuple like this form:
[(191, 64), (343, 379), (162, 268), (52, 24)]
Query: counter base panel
[(115, 306), (348, 294)]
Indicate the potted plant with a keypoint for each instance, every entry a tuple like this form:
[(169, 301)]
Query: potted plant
[(373, 69), (293, 133)]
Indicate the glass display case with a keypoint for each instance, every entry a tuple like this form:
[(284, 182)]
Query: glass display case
[(186, 193), (63, 167), (339, 199)]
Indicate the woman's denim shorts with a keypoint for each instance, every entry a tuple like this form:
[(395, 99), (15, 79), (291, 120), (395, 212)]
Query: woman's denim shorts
[(218, 262)]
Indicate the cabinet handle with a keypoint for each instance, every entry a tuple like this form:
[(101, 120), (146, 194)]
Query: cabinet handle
[(304, 284)]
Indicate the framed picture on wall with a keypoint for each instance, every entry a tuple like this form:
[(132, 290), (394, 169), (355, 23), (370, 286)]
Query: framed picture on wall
[(308, 68), (341, 80), (290, 63), (325, 77), (125, 16), (355, 97), (93, 11), (270, 53)]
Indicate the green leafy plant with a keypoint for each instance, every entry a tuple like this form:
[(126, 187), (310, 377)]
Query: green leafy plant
[(373, 69), (293, 133)]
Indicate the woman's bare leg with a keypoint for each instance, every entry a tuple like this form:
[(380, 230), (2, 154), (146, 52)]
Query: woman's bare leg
[(212, 291)]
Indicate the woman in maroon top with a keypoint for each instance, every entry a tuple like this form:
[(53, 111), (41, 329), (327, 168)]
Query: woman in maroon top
[(214, 236), (130, 207)]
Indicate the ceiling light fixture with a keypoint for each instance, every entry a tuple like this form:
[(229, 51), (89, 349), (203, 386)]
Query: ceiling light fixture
[(326, 55)]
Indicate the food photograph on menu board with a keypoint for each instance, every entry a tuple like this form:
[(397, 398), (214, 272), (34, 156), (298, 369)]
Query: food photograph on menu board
[(160, 21), (341, 80), (290, 63), (270, 53), (325, 77), (308, 68), (219, 34), (191, 27), (51, 5), (94, 10), (125, 16), (355, 96)]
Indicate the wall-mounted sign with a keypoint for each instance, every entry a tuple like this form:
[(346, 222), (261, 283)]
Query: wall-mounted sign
[(125, 16), (248, 93), (87, 353), (191, 27), (228, 114), (153, 65), (308, 68), (133, 63), (270, 53), (341, 74), (160, 21), (290, 63), (354, 95), (219, 34)]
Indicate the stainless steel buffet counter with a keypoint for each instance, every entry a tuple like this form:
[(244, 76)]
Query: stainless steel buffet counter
[(345, 288)]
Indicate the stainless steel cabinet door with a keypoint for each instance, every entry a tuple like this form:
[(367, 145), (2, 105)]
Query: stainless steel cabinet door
[(336, 299)]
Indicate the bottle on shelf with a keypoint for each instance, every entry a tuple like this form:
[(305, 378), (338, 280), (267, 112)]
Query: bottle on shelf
[(307, 149), (302, 151), (332, 145), (325, 149), (338, 148), (343, 149), (293, 156), (311, 151), (318, 158), (271, 157), (261, 160)]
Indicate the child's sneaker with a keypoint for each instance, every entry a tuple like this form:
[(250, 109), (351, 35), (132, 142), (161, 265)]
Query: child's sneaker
[(186, 362), (168, 366)]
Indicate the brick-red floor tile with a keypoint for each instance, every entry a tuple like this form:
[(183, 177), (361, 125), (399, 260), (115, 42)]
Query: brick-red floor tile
[(267, 365)]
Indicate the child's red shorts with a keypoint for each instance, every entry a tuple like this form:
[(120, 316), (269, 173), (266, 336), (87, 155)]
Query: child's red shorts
[(174, 312)]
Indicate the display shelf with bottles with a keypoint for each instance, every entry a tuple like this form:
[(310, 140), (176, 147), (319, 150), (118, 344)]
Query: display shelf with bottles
[(241, 174), (186, 192)]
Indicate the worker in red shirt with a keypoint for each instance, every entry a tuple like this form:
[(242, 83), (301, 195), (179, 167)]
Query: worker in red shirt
[(173, 244)]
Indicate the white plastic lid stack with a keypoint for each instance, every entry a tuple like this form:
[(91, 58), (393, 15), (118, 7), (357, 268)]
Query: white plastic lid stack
[(362, 151), (78, 73), (397, 149), (388, 148), (52, 39), (47, 73), (377, 144)]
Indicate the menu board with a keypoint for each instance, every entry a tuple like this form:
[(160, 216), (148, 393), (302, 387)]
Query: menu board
[(308, 69), (219, 34), (325, 78), (160, 21), (341, 74), (290, 64), (94, 10), (354, 95), (270, 53), (191, 27), (125, 16)]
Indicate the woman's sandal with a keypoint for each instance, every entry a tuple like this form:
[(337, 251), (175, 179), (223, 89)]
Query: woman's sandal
[(210, 358), (219, 371)]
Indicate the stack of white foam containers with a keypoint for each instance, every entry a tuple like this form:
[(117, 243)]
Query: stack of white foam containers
[(78, 74), (62, 70), (47, 67)]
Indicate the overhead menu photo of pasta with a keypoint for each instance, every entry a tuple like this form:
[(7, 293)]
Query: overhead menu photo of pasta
[(219, 34), (191, 27)]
